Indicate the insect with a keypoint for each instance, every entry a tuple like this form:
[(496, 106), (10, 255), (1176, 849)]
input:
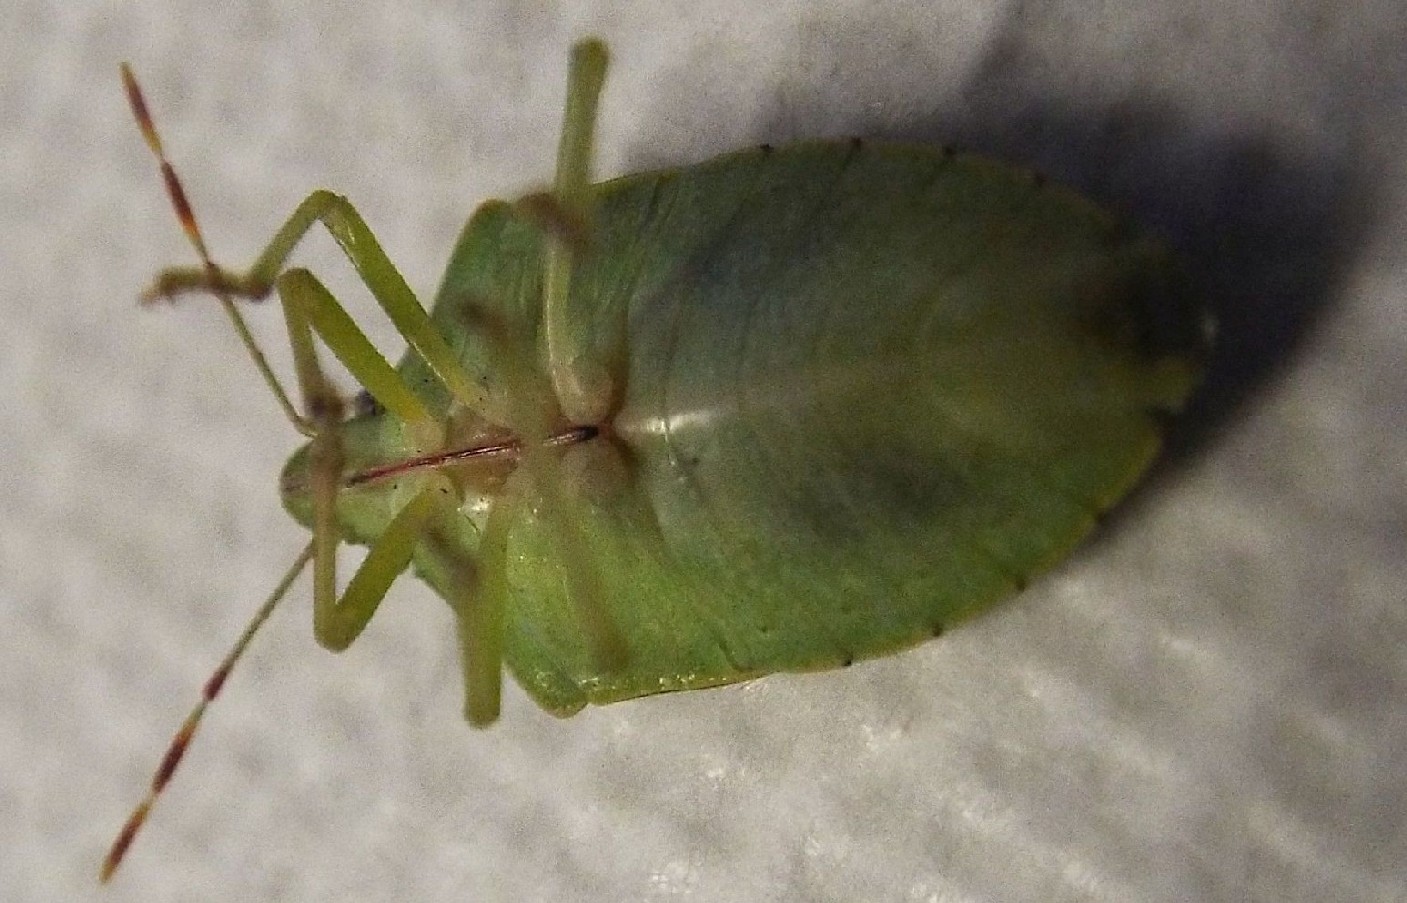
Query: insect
[(778, 411)]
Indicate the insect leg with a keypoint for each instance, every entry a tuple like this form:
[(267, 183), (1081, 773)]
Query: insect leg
[(349, 230), (376, 270), (540, 462), (583, 387), (307, 303), (580, 566), (337, 622), (480, 611)]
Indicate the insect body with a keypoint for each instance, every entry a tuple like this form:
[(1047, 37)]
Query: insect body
[(778, 411)]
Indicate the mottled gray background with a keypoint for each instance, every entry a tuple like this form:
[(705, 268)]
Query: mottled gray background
[(1204, 704)]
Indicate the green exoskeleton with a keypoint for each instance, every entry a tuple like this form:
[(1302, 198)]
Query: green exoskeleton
[(781, 410)]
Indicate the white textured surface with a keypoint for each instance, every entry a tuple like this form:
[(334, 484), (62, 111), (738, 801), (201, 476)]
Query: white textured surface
[(1205, 704)]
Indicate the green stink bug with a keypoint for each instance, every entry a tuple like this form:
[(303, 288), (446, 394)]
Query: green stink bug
[(778, 411)]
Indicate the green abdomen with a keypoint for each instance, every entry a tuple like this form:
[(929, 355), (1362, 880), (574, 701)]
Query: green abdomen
[(869, 391)]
